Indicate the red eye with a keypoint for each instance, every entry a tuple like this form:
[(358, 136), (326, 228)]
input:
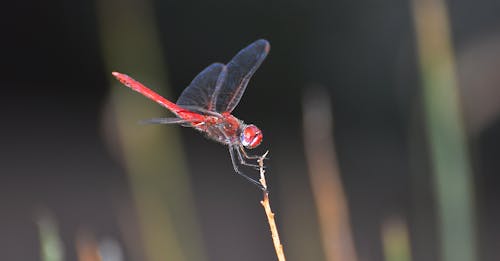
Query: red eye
[(251, 136)]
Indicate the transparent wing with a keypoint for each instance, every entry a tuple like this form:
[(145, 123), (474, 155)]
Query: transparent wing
[(200, 92), (165, 121), (239, 71)]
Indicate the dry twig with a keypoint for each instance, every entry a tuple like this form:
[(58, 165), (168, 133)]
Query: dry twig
[(269, 213)]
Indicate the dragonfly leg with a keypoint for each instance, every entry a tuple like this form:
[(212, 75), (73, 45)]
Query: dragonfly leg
[(242, 156), (252, 157), (242, 153), (236, 169)]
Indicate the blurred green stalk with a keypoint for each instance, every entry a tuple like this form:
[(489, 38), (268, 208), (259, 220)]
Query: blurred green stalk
[(446, 133), (152, 154), (395, 240), (50, 243)]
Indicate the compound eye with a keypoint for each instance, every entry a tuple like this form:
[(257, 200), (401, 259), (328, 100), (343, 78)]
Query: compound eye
[(251, 137)]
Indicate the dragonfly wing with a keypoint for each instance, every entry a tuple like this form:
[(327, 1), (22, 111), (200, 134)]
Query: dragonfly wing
[(165, 121), (239, 71), (200, 92)]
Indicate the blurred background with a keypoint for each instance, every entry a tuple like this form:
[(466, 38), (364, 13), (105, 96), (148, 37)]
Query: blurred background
[(382, 119)]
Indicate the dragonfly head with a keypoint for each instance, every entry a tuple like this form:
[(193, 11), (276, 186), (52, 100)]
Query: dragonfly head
[(251, 136)]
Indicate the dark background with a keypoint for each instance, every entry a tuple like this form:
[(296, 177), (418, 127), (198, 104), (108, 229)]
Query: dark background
[(54, 157)]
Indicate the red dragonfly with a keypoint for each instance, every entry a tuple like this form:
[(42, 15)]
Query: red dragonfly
[(206, 104)]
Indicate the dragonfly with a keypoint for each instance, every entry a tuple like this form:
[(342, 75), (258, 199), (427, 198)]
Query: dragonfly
[(207, 102)]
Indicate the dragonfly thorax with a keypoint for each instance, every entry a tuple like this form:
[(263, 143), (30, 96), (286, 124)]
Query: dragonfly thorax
[(251, 136)]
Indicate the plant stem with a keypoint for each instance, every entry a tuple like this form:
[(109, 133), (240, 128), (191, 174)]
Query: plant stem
[(269, 213)]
